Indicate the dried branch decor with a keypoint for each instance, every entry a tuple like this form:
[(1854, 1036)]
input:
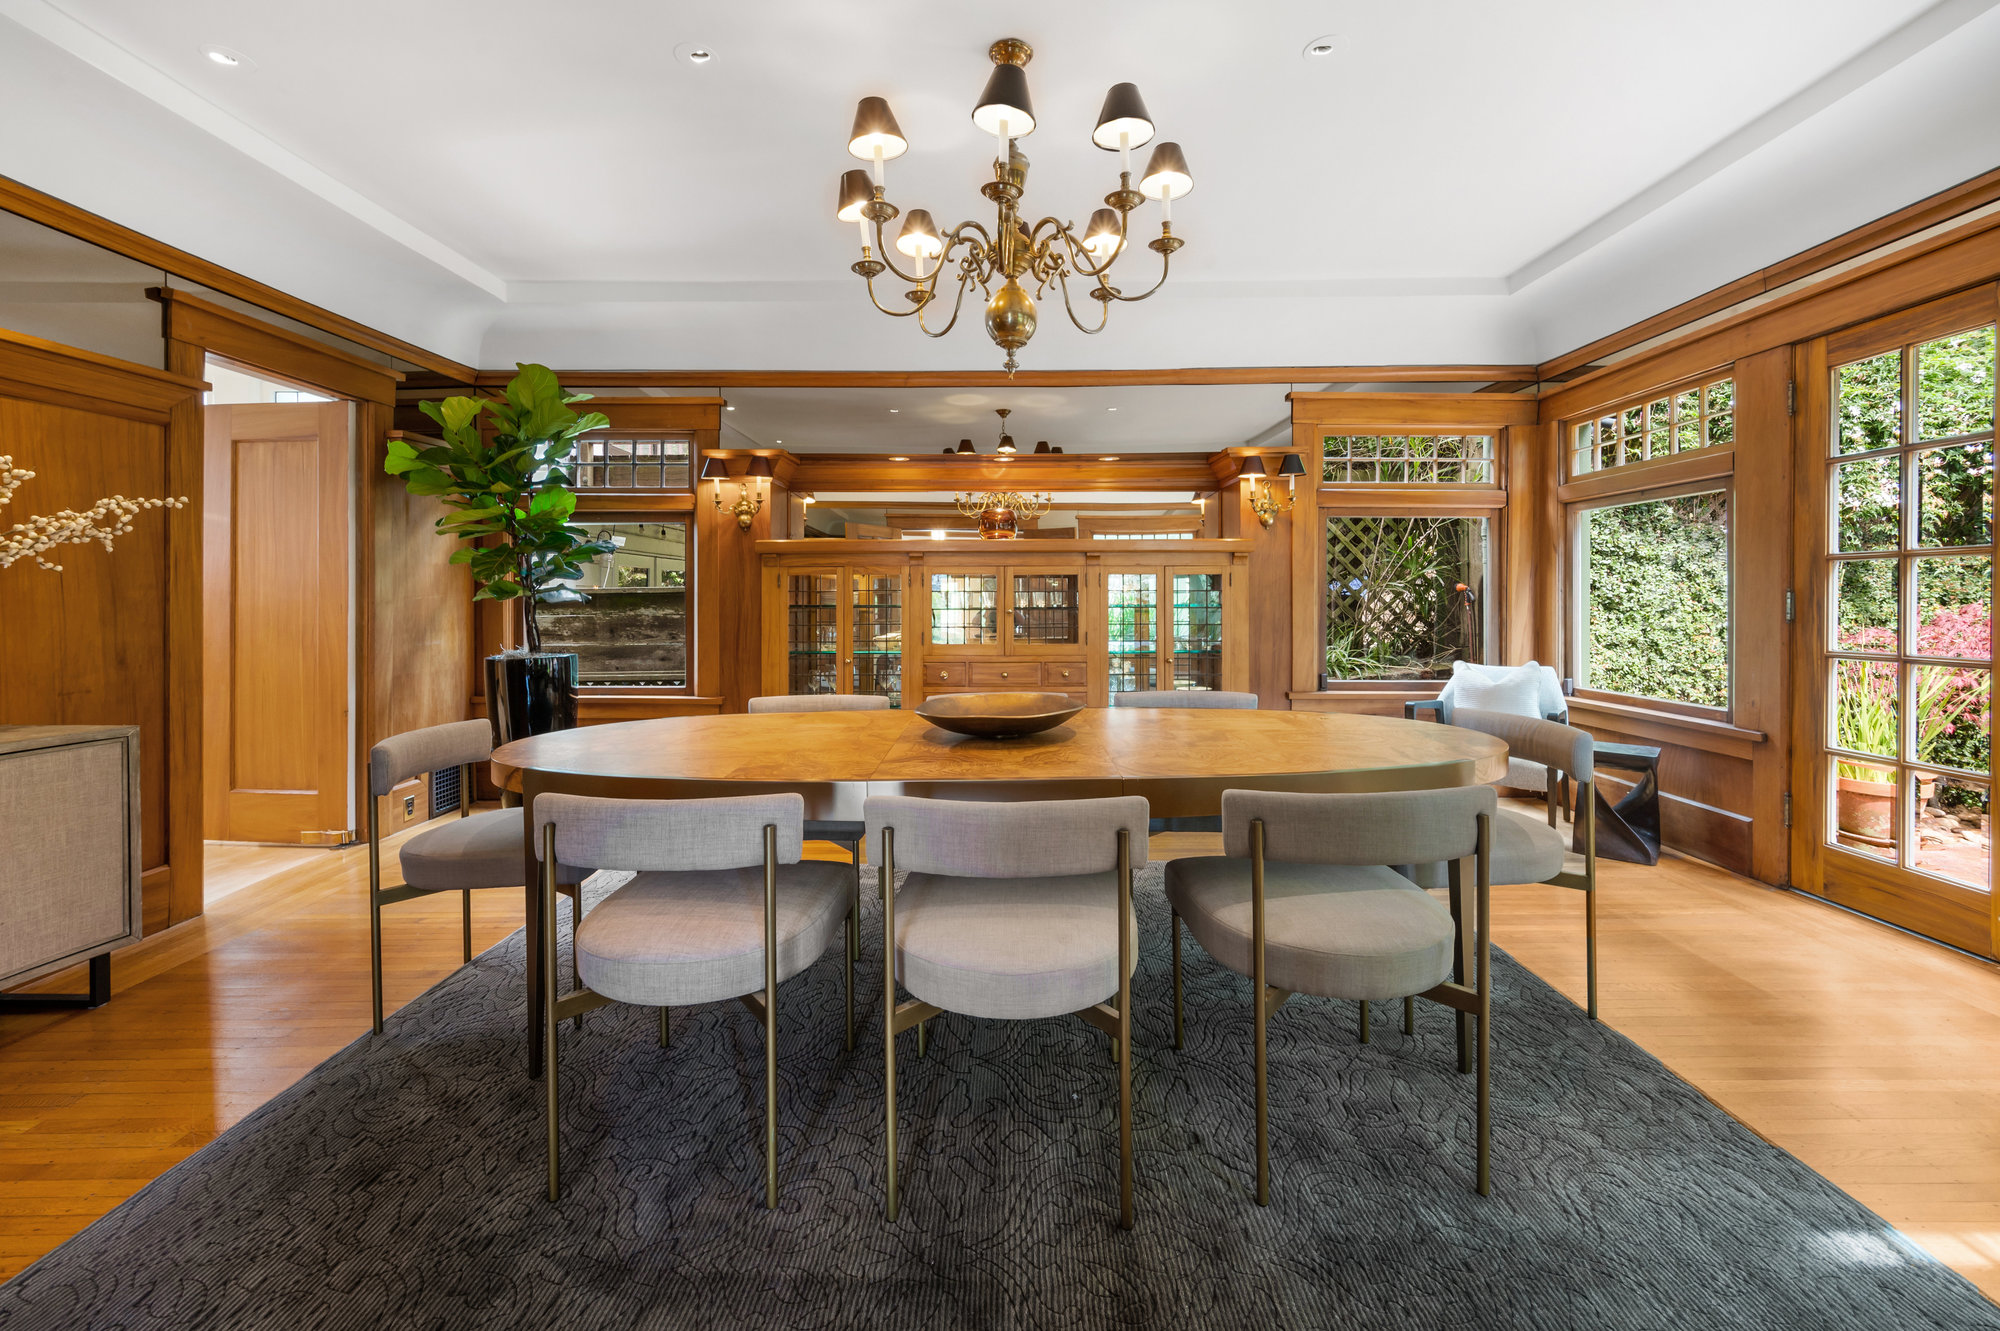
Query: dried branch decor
[(103, 522)]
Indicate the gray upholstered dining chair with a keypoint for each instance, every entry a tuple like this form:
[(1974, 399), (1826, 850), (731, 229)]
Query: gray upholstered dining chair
[(474, 850), (1012, 911), (1304, 900), (721, 906), (1191, 698), (844, 833), (1528, 850)]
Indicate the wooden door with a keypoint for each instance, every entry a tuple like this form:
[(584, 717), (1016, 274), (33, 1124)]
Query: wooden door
[(276, 555), (1892, 760)]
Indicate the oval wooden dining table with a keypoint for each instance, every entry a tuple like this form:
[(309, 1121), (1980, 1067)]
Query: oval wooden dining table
[(1180, 760)]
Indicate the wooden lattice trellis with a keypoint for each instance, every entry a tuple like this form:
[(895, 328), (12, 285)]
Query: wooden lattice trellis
[(1402, 593)]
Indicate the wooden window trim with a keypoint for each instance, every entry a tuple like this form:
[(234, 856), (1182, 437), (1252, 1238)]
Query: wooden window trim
[(1566, 426)]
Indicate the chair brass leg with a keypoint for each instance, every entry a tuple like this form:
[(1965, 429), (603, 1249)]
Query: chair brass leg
[(1261, 1012), (1177, 979), (853, 946), (1485, 918), (550, 1025), (1126, 1206), (1409, 1016), (1364, 1021), (1586, 794), (922, 1028), (1461, 964), (465, 917), (854, 916), (375, 910), (663, 1028), (575, 962), (888, 1023), (770, 1015)]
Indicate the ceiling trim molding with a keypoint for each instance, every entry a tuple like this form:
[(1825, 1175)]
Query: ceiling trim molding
[(1919, 34), (540, 291), (1197, 376), (106, 56)]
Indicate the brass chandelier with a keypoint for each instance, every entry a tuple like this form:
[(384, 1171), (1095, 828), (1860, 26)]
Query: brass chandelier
[(1001, 512), (1048, 252)]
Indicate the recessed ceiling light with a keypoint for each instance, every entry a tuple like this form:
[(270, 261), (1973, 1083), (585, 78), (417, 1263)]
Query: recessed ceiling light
[(226, 57), (729, 408), (1111, 408), (899, 459), (1319, 48), (777, 441), (1113, 457), (694, 53), (894, 410)]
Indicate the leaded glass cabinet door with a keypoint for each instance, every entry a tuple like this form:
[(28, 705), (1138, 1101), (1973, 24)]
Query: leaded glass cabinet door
[(1045, 611), (875, 632), (812, 630), (1132, 630), (1197, 628), (965, 609), (1900, 644)]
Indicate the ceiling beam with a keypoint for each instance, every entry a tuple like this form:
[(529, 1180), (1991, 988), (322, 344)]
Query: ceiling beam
[(1254, 374)]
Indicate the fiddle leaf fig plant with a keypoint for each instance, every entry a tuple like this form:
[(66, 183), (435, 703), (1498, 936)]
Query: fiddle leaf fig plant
[(506, 489)]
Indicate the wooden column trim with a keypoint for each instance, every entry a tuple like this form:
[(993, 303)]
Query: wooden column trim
[(262, 346), (186, 791)]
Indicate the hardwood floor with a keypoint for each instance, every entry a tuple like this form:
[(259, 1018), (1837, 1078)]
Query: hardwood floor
[(1863, 1051)]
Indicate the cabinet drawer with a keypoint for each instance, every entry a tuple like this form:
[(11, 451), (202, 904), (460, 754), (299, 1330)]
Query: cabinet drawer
[(948, 676), (1064, 676), (1005, 674)]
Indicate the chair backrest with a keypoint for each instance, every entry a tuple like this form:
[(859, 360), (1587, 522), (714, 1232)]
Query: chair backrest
[(1548, 743), (669, 835), (1548, 688), (1396, 827), (431, 749), (1033, 839), (820, 702), (1186, 698)]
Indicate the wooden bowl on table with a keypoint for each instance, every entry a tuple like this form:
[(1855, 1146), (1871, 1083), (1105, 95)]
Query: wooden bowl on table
[(998, 715)]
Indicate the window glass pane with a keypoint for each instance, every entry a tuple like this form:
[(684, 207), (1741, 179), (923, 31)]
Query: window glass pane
[(1955, 495), (1954, 820), (1133, 632), (1867, 611), (1197, 630), (1954, 606), (1864, 808), (965, 609), (1866, 703), (1952, 717), (1405, 596), (1045, 607), (1656, 598), (630, 464), (1412, 459), (878, 636), (1869, 504), (812, 632), (1871, 404), (1955, 385), (1721, 397), (1683, 422), (632, 626)]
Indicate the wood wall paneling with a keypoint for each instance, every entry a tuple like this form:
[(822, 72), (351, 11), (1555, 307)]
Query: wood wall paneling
[(106, 640), (1761, 525), (265, 348)]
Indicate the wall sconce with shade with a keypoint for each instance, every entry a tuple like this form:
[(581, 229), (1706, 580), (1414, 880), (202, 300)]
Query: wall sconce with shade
[(748, 503), (1265, 502)]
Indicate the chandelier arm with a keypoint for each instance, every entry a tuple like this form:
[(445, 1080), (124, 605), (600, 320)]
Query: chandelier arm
[(1080, 257), (893, 314), (1104, 317), (958, 302), (1166, 261)]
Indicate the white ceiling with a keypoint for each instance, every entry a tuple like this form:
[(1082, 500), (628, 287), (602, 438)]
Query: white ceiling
[(501, 180)]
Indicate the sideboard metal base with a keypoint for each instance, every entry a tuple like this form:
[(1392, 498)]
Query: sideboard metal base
[(99, 995)]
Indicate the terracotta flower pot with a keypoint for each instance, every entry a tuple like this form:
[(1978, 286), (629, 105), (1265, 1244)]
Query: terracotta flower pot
[(1866, 810)]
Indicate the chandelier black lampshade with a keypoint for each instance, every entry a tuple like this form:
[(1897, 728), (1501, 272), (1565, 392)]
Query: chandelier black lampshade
[(1042, 446), (875, 126), (1167, 174), (1124, 113), (1101, 237), (965, 445), (855, 190), (1006, 99), (919, 237)]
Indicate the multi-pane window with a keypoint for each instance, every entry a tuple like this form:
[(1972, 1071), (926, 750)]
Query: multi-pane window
[(1653, 598), (1197, 630), (1407, 459), (1909, 649), (631, 464), (877, 634), (1046, 608), (1684, 421), (1142, 536), (1132, 603), (965, 609), (1405, 596), (632, 625)]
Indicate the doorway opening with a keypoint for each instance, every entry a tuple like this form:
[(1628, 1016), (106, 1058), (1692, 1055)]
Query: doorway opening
[(278, 600)]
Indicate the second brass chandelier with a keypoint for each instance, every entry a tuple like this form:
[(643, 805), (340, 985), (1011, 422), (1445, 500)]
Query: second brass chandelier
[(1048, 252)]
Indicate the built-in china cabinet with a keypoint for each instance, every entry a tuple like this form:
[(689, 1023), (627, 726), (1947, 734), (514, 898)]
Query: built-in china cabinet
[(912, 619)]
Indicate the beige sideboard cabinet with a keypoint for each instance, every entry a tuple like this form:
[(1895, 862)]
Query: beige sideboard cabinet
[(69, 856)]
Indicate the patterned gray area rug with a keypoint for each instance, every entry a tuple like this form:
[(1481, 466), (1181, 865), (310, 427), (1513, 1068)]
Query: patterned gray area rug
[(400, 1183)]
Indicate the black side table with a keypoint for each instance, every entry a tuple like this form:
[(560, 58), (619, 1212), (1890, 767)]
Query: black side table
[(1630, 829)]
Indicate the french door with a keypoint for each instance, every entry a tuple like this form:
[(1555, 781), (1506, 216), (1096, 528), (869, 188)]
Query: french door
[(1893, 773)]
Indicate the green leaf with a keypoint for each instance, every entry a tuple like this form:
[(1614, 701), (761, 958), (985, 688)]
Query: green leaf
[(553, 501)]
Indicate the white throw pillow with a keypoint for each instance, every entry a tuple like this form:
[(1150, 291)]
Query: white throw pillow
[(1515, 690)]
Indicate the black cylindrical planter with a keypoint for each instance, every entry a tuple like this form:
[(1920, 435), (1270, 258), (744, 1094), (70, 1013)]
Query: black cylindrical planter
[(530, 695)]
